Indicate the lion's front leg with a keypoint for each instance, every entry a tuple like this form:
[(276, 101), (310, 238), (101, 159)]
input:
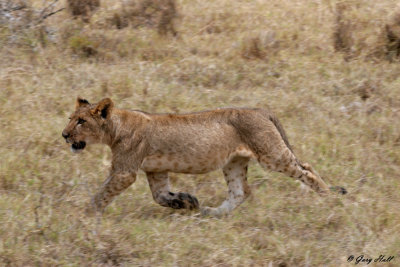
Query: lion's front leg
[(113, 186), (159, 185)]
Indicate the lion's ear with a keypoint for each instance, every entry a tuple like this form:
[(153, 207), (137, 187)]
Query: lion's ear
[(80, 102), (103, 108)]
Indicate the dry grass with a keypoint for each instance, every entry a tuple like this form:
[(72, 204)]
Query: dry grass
[(83, 8), (392, 31), (342, 33), (341, 116), (261, 46), (159, 14)]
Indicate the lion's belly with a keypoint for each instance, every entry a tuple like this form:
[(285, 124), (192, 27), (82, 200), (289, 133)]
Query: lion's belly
[(193, 163)]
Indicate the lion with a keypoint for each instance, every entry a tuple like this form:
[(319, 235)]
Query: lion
[(192, 143)]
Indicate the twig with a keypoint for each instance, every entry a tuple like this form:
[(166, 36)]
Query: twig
[(14, 8), (50, 6), (51, 14)]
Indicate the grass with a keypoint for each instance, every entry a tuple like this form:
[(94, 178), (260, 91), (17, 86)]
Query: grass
[(227, 53)]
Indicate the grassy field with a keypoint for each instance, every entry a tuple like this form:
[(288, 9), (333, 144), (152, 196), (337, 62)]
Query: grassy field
[(341, 110)]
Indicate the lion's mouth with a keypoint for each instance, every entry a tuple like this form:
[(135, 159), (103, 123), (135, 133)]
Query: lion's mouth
[(78, 146)]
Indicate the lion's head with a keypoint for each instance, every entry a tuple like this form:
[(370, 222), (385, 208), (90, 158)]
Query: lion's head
[(86, 125)]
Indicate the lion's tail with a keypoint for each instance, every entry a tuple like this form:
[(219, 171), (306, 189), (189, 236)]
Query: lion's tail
[(280, 129)]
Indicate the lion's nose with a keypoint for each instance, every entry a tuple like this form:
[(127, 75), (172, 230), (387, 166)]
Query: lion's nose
[(65, 135)]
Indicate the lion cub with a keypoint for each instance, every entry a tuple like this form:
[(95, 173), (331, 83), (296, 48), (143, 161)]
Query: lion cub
[(195, 143)]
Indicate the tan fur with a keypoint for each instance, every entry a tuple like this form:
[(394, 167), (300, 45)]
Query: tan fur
[(188, 143)]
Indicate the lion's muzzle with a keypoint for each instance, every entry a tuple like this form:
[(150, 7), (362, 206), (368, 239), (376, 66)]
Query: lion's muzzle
[(77, 147), (65, 134)]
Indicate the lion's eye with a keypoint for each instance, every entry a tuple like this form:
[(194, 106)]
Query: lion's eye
[(80, 121)]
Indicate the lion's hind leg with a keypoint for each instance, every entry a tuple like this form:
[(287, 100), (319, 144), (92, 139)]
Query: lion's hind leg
[(160, 189), (235, 172), (286, 162)]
